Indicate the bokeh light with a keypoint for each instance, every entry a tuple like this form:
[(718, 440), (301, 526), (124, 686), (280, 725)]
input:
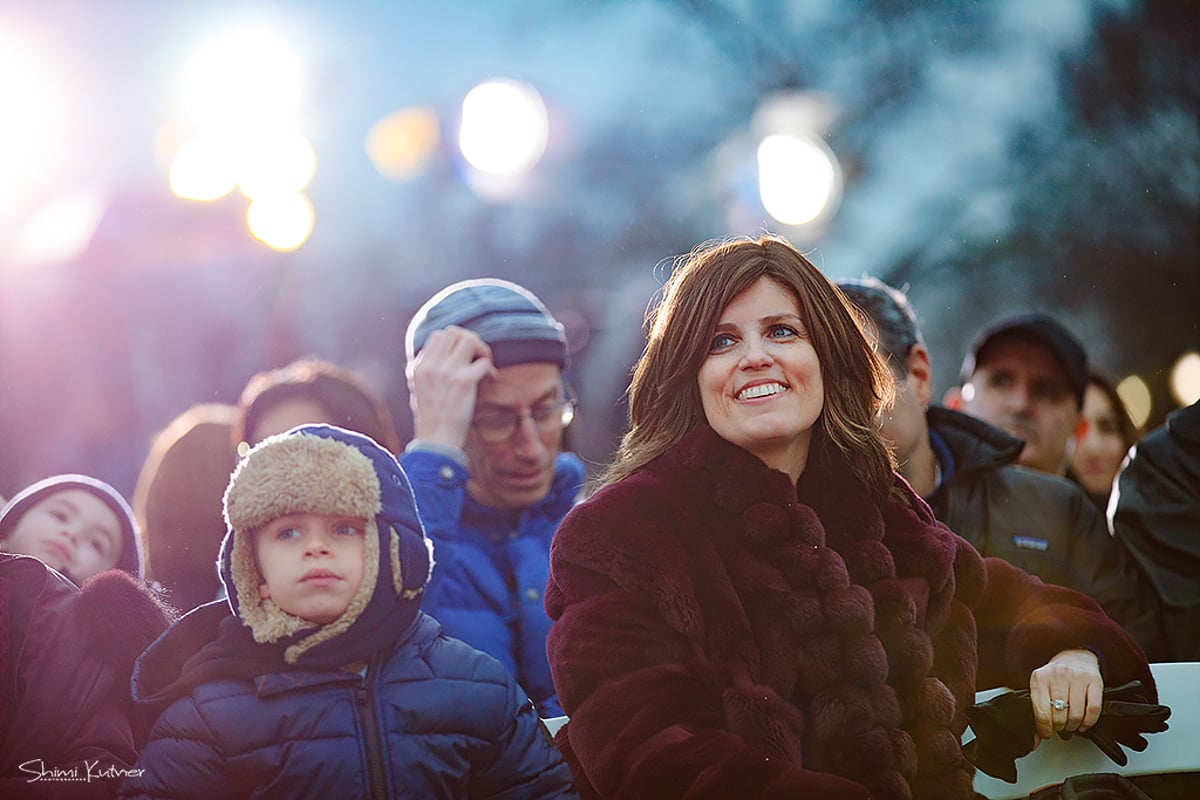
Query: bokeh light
[(205, 168), (797, 178), (400, 144), (282, 222), (1135, 394), (245, 78), (279, 162), (59, 230), (30, 109), (1185, 378), (505, 127)]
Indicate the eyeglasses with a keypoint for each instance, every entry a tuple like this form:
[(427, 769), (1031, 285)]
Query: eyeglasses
[(498, 428)]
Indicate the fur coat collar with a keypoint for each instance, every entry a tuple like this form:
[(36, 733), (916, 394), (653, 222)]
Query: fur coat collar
[(817, 611), (720, 631)]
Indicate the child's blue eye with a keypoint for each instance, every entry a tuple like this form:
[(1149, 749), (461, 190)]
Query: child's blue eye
[(346, 529), (287, 533)]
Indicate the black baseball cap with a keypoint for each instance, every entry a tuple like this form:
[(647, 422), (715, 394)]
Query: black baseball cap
[(1041, 329)]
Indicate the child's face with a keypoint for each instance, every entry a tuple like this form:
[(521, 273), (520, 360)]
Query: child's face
[(312, 564), (71, 530)]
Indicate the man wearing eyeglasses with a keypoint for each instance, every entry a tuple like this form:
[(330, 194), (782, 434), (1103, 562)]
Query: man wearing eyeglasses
[(484, 365)]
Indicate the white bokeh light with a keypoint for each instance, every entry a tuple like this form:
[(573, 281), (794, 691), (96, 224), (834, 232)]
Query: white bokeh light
[(242, 79), (279, 162), (31, 112), (205, 168), (505, 127), (797, 178)]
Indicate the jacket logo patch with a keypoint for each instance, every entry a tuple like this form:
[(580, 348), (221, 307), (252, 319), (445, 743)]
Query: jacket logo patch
[(1031, 543)]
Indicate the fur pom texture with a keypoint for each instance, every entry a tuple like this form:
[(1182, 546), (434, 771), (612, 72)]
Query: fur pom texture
[(121, 617)]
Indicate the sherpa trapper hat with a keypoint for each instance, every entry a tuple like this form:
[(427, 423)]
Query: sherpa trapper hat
[(131, 539), (1045, 331), (323, 469), (513, 322)]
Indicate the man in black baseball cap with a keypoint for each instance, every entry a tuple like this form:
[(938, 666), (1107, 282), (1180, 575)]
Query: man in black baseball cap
[(1027, 375)]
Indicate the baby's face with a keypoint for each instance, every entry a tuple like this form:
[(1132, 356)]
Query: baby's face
[(71, 530), (312, 564)]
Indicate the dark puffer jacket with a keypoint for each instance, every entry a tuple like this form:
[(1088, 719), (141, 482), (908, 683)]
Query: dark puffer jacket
[(65, 660), (435, 717), (1157, 518), (254, 702), (1045, 525), (720, 632)]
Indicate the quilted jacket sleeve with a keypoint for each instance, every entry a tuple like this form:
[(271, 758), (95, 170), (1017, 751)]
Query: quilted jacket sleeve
[(182, 759), (525, 765)]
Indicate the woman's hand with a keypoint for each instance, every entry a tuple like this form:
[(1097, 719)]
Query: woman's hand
[(1066, 694)]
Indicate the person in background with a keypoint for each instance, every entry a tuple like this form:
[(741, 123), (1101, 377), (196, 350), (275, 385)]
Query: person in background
[(755, 605), (66, 656), (177, 501), (1027, 375), (77, 524), (966, 470), (484, 362), (320, 676), (310, 390), (1109, 435), (1155, 515)]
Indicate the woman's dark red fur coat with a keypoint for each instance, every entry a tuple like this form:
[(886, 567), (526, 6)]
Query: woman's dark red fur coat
[(720, 633)]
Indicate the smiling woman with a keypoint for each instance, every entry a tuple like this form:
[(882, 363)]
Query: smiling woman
[(760, 385), (754, 604)]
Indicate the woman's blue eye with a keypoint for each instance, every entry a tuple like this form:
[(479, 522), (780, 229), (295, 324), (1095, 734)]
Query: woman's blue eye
[(721, 341), (783, 331)]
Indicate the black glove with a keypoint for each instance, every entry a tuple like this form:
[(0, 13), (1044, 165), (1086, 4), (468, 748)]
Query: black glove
[(1125, 715), (1004, 730)]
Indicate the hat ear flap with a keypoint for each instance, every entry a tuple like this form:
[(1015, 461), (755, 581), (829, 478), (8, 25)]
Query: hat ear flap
[(417, 553)]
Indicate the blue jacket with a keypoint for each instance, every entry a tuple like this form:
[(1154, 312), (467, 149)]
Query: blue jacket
[(491, 567), (430, 718)]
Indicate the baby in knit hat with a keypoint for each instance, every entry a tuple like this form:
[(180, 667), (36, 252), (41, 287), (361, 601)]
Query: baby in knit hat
[(74, 616), (76, 524), (319, 676)]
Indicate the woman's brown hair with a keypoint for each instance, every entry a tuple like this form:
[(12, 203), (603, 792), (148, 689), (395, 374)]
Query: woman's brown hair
[(348, 401), (664, 398)]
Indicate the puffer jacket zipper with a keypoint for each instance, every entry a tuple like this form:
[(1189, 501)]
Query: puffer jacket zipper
[(365, 697)]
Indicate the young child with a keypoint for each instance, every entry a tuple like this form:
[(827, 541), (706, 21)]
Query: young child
[(76, 524), (327, 680), (66, 655)]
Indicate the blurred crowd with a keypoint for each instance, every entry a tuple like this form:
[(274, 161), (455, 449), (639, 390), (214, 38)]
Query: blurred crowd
[(1031, 458)]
